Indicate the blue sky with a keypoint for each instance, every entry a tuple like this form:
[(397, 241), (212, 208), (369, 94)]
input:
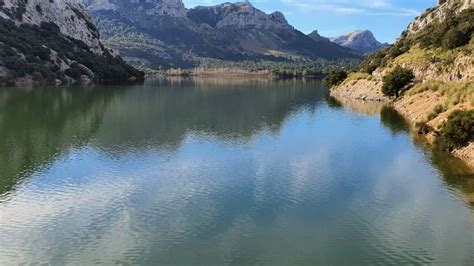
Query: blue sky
[(386, 18)]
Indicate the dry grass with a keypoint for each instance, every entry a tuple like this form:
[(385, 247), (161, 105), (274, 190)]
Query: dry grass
[(456, 92), (443, 60), (357, 76)]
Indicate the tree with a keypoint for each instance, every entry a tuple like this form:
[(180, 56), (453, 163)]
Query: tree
[(396, 80), (334, 78)]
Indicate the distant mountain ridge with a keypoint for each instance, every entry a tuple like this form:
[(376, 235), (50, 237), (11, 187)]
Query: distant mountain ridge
[(361, 40), (164, 34), (317, 37)]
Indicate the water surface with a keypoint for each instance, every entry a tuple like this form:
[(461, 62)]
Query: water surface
[(211, 171)]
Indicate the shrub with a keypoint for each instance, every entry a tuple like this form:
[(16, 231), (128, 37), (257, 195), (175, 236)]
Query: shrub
[(423, 128), (334, 78), (454, 38), (396, 80), (457, 132), (436, 111)]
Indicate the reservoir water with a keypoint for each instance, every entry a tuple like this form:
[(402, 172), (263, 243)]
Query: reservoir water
[(223, 171)]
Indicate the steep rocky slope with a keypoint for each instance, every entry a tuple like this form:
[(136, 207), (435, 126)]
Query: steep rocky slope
[(438, 47), (164, 34), (317, 37), (361, 40), (54, 42)]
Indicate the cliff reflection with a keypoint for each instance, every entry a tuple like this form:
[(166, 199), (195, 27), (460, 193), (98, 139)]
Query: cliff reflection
[(163, 112), (39, 125)]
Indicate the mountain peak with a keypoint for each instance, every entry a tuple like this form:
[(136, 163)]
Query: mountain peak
[(240, 14), (317, 37), (359, 40)]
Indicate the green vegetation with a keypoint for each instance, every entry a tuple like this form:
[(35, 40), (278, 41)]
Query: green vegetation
[(436, 111), (38, 51), (396, 80), (456, 31), (282, 68), (335, 77), (457, 132)]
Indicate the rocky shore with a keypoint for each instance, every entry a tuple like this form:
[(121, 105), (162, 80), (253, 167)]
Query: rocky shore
[(414, 107)]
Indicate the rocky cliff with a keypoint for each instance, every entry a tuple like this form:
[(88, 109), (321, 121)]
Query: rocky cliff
[(54, 41), (361, 40), (70, 16), (238, 15), (438, 47), (444, 10), (164, 34)]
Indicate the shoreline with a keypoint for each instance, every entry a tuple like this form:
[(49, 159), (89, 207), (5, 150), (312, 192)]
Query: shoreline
[(415, 108)]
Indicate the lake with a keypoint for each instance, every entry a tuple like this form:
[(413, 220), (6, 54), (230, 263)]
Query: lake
[(223, 171)]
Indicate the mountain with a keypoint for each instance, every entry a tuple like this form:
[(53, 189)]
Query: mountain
[(163, 34), (54, 42), (361, 41), (438, 49), (315, 36)]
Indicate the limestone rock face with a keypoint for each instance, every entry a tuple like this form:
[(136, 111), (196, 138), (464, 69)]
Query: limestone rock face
[(243, 15), (69, 15), (172, 8), (439, 13), (362, 41), (54, 42)]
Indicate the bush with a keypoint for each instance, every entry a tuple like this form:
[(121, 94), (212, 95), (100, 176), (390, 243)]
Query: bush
[(396, 80), (454, 38), (334, 78), (457, 132)]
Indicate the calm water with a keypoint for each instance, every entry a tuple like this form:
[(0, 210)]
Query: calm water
[(213, 172)]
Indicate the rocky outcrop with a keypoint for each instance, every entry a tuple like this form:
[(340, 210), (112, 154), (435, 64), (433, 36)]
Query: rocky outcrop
[(445, 8), (361, 40), (425, 68), (238, 15), (172, 8), (70, 16), (54, 42)]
